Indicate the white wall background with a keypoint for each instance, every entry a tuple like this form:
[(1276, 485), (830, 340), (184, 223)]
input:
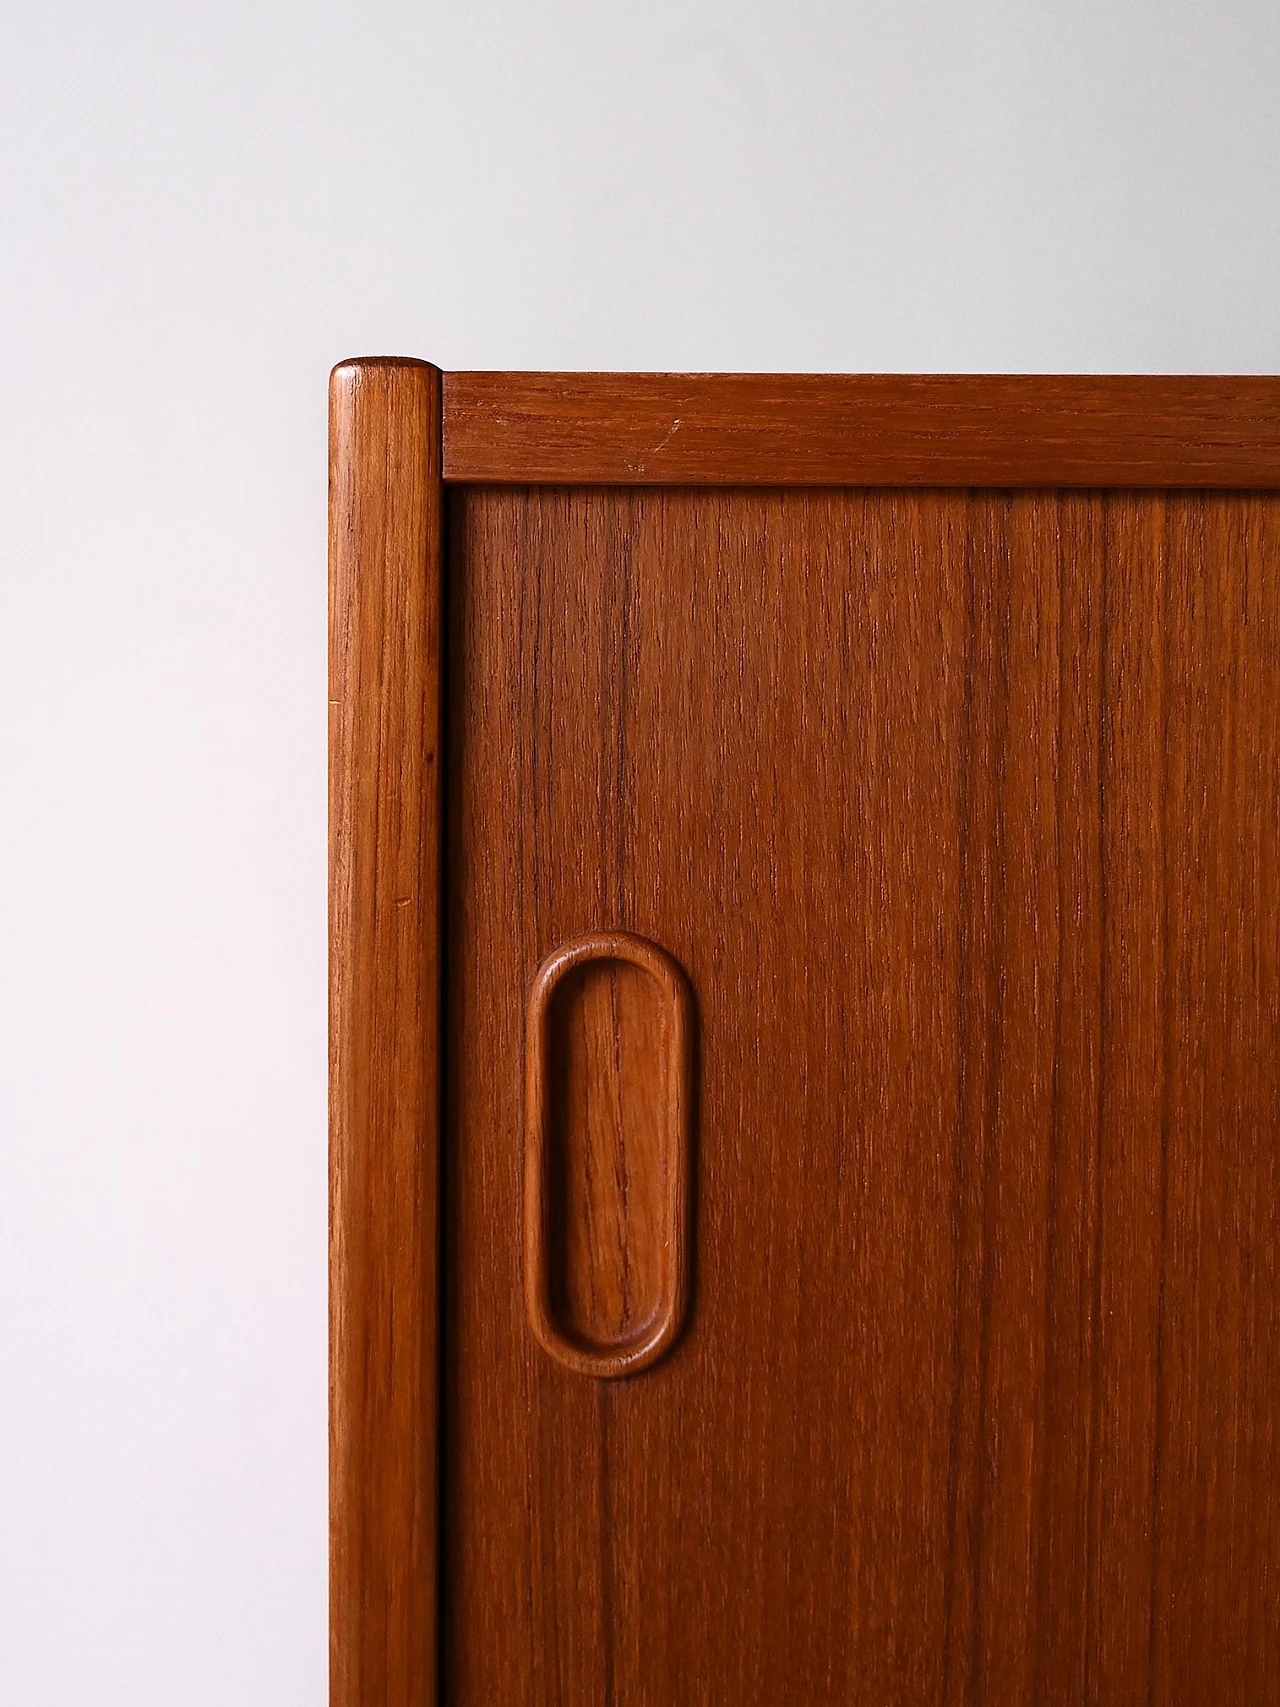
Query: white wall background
[(203, 207)]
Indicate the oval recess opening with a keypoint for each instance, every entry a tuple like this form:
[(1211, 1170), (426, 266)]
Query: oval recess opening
[(609, 1068)]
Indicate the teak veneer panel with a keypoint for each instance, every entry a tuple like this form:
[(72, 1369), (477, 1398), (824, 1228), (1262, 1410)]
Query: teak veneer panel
[(385, 531), (962, 812), (860, 430)]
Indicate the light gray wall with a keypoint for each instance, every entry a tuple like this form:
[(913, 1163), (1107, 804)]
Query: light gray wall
[(204, 206)]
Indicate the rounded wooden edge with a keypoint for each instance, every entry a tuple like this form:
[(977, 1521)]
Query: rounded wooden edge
[(355, 364), (385, 817), (631, 1358)]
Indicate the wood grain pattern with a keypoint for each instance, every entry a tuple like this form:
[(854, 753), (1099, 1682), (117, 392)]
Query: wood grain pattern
[(861, 430), (608, 1150), (386, 504), (962, 812)]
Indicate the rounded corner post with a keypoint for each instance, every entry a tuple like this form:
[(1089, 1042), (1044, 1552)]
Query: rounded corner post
[(385, 573)]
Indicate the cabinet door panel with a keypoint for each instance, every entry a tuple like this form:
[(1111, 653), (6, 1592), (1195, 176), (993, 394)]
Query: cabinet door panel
[(959, 810)]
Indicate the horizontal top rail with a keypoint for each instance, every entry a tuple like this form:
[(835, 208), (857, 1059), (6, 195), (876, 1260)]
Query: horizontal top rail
[(861, 430)]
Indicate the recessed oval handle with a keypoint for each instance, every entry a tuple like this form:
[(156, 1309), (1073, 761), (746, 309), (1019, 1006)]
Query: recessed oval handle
[(608, 1153)]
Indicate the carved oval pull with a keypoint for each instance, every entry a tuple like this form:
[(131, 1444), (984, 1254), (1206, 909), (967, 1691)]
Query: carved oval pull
[(608, 1150)]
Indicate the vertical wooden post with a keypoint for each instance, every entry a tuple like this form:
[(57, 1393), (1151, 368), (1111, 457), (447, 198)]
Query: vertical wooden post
[(385, 550)]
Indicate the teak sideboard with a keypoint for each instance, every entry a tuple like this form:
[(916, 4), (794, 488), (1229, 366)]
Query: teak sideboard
[(805, 1059)]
